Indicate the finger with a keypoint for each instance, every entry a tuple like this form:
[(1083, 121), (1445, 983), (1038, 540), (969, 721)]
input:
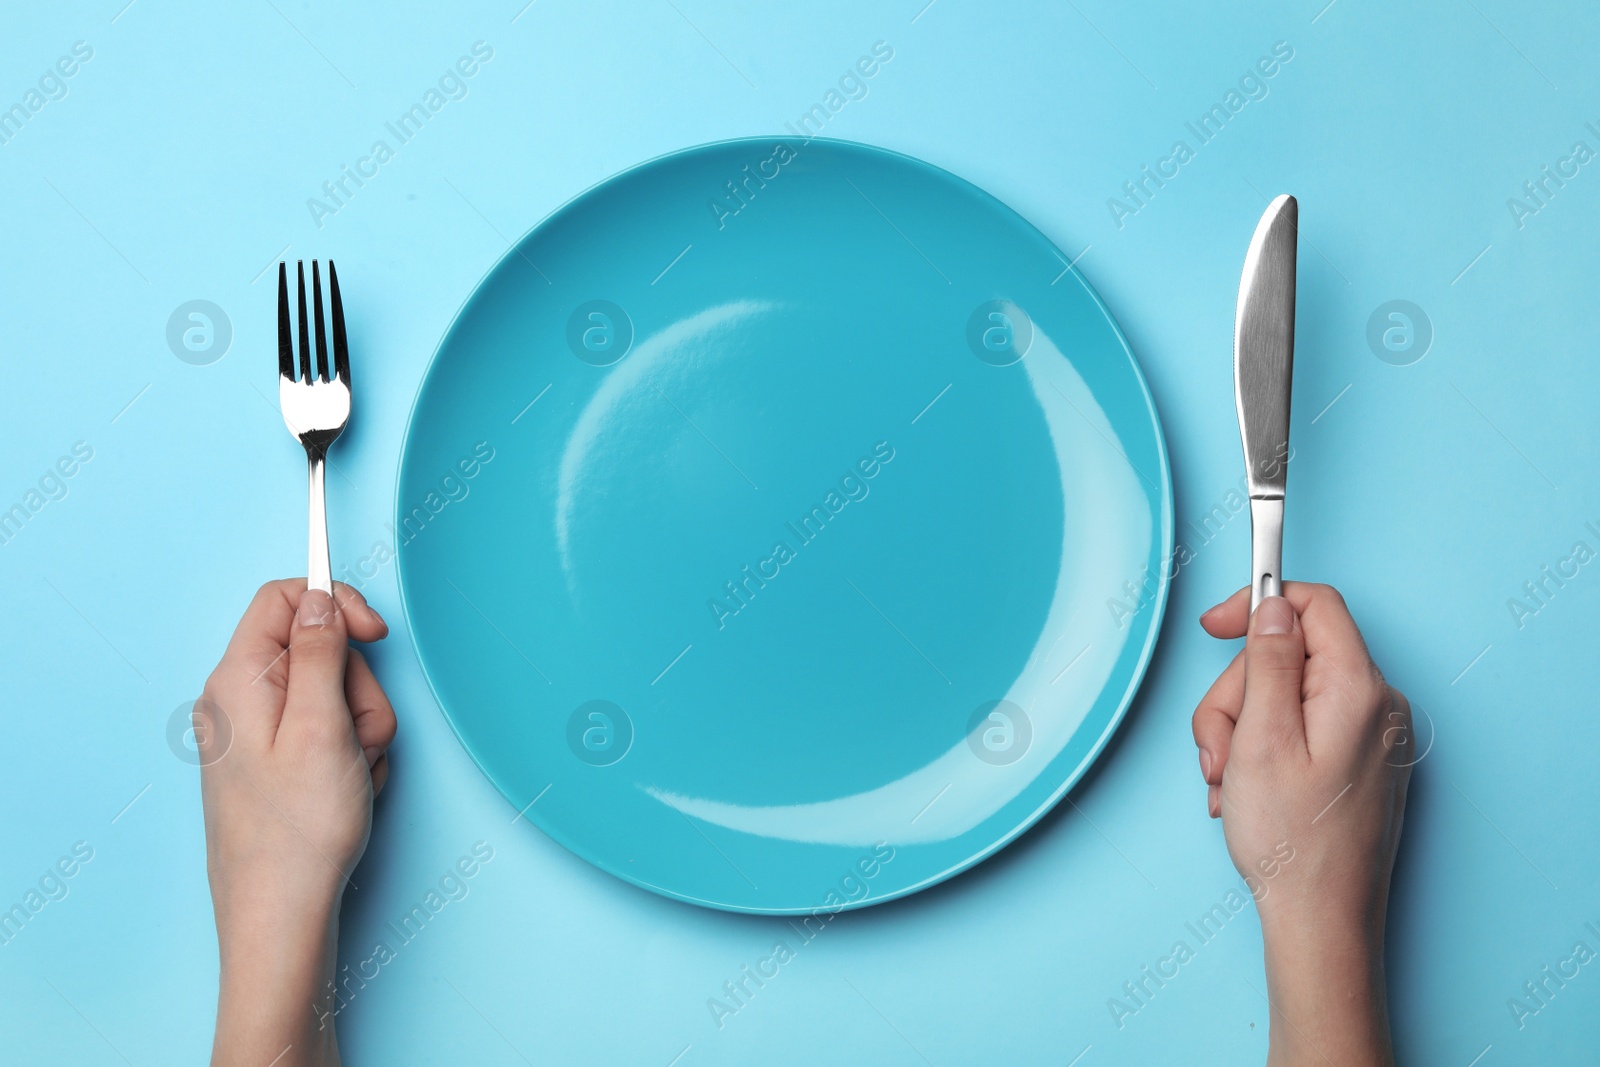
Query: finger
[(318, 648), (1399, 729), (370, 709), (361, 618), (1274, 669), (380, 774), (256, 651), (1339, 659), (248, 683), (212, 729), (258, 642), (1215, 717), (1230, 618), (1402, 706), (1214, 801), (1389, 718), (1324, 618)]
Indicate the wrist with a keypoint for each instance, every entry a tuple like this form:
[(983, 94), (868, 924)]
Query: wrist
[(1326, 985), (299, 904), (258, 943), (1318, 957), (277, 956)]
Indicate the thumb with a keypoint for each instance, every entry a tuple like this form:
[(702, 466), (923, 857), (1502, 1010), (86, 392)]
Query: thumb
[(1274, 664), (318, 647)]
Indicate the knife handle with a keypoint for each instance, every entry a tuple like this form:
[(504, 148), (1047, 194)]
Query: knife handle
[(1266, 549)]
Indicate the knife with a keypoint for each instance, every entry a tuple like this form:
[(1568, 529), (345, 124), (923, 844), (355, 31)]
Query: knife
[(1263, 365)]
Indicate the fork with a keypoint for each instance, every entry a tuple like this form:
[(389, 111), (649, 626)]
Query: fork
[(315, 405)]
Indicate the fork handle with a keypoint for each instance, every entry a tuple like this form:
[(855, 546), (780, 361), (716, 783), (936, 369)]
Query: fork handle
[(319, 572)]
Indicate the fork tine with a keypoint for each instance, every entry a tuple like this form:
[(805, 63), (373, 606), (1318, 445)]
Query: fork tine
[(341, 349), (305, 332), (285, 331), (322, 333)]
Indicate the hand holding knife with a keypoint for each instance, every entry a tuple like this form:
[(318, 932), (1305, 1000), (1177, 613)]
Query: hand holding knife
[(1263, 366)]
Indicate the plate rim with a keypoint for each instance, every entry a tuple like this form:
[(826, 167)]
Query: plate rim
[(1167, 536)]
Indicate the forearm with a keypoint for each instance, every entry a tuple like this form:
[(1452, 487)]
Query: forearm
[(273, 1005), (1329, 1001)]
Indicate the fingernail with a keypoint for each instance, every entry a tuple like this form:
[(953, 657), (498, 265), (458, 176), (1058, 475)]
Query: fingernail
[(316, 608), (372, 752), (1274, 615), (1214, 801), (1205, 764)]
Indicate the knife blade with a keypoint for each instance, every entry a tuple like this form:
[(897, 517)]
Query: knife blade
[(1263, 368)]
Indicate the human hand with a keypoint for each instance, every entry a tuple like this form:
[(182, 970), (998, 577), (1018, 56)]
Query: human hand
[(1297, 742), (293, 730)]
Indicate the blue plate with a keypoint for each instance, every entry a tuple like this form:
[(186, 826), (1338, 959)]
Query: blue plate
[(784, 526)]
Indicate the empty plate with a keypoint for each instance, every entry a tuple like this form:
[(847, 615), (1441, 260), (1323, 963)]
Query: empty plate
[(784, 525)]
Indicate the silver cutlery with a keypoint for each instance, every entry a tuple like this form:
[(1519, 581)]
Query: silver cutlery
[(1263, 368), (316, 405)]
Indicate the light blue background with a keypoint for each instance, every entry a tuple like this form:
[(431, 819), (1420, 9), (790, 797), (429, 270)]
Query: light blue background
[(178, 167)]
